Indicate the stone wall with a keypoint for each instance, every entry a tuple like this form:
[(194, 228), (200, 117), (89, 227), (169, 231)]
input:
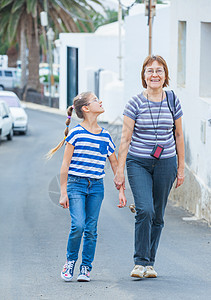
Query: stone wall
[(193, 195), (36, 97)]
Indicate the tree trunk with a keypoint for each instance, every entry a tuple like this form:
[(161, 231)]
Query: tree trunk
[(23, 54), (34, 57), (34, 60), (12, 54)]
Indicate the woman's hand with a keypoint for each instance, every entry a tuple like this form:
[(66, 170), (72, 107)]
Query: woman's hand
[(119, 180), (180, 177), (64, 201)]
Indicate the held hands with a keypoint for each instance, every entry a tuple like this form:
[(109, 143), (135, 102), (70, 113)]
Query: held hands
[(119, 180), (64, 201)]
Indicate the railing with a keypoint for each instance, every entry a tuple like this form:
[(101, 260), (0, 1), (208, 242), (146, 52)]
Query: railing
[(45, 89)]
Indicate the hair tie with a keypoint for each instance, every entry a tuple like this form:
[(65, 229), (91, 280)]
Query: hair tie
[(64, 137), (69, 117), (67, 126)]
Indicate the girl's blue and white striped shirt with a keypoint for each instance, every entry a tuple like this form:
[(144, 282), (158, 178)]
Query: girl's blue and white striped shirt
[(90, 152), (144, 135)]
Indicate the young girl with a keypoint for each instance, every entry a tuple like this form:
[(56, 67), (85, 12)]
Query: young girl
[(81, 178)]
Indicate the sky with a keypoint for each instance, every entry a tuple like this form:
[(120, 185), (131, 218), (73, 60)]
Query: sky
[(113, 4)]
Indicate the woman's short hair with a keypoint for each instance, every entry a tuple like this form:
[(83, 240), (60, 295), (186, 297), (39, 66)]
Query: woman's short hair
[(148, 61)]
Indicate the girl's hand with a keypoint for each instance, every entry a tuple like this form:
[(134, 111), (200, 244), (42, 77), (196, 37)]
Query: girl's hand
[(180, 177), (119, 180), (122, 198), (64, 201)]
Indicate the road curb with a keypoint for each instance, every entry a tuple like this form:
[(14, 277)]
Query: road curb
[(44, 108)]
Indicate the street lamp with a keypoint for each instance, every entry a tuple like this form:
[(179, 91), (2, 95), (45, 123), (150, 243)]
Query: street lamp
[(50, 35)]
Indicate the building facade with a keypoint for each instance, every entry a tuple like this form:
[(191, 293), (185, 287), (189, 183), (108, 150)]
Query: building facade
[(191, 80)]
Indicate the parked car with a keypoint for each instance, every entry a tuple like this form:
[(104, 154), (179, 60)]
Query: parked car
[(6, 121), (18, 112), (8, 78)]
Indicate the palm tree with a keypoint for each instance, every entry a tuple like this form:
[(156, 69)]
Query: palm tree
[(19, 22)]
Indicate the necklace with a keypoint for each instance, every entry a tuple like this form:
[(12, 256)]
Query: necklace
[(155, 129)]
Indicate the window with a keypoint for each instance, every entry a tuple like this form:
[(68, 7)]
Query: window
[(4, 111), (11, 101), (0, 73), (1, 110), (181, 55), (8, 73), (205, 61)]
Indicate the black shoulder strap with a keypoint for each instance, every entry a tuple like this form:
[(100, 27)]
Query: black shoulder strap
[(171, 102), (172, 106)]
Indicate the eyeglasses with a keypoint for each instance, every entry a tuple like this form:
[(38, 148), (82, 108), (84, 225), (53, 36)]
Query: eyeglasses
[(157, 71), (94, 100)]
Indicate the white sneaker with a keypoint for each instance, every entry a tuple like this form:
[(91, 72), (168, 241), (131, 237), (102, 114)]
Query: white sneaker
[(67, 272), (84, 274), (138, 271), (150, 272)]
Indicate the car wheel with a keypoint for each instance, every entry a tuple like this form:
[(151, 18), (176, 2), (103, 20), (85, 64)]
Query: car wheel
[(1, 88), (10, 135)]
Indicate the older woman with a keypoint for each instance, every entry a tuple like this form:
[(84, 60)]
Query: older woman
[(154, 155)]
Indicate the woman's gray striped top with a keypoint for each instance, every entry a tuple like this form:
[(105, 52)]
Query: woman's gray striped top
[(144, 138)]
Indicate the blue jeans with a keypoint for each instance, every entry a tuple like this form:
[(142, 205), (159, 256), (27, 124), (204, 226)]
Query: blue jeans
[(150, 181), (85, 199)]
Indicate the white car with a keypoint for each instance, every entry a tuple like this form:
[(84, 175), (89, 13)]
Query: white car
[(19, 115), (6, 121)]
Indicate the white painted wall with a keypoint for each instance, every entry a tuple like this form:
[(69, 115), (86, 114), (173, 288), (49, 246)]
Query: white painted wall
[(3, 61), (111, 93), (197, 109), (95, 52)]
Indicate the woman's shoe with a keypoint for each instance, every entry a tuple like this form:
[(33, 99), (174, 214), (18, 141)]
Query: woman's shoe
[(150, 272), (138, 271)]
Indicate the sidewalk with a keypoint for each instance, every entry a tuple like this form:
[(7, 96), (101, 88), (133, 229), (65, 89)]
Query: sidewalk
[(43, 108)]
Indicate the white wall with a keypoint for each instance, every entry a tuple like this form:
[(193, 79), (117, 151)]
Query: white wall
[(136, 45), (196, 192), (95, 52), (111, 93)]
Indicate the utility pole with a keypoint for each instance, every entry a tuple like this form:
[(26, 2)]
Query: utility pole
[(150, 6), (150, 26)]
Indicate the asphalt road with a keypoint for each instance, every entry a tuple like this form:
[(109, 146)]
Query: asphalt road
[(34, 231)]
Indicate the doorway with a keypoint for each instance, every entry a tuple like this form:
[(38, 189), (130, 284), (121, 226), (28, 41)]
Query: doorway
[(72, 74)]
